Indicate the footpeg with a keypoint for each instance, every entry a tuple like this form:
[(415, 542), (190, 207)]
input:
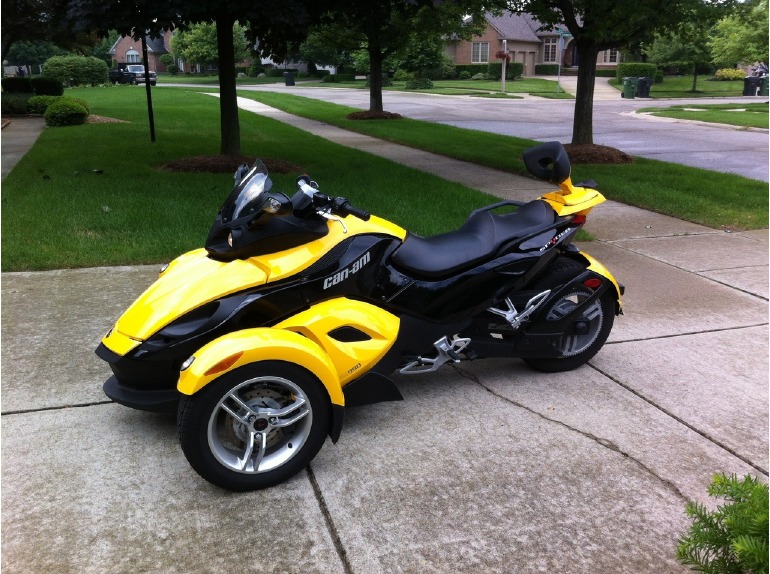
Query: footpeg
[(446, 351), (514, 318)]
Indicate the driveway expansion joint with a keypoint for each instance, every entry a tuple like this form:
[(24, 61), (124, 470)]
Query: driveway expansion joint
[(608, 444), (57, 408), (329, 521), (681, 421)]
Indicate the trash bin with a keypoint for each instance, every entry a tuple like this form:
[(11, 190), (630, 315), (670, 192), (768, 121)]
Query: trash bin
[(750, 85), (643, 86), (763, 87), (629, 88), (288, 78)]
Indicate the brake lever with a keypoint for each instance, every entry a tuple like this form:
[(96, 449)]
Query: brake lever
[(330, 217)]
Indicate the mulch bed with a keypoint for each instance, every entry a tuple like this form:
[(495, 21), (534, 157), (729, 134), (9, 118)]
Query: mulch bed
[(368, 115), (94, 119), (592, 153)]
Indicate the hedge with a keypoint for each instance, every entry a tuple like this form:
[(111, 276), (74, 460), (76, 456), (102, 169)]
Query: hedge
[(546, 69), (472, 69), (512, 70), (47, 86), (17, 85), (77, 70), (419, 84), (635, 69), (39, 104)]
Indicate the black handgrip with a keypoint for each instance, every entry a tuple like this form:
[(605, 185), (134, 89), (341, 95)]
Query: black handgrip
[(343, 207), (359, 213)]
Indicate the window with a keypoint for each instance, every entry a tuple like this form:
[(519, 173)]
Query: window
[(550, 49), (611, 56), (132, 57), (480, 53)]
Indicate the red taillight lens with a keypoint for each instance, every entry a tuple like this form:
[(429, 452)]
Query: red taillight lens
[(579, 219), (593, 283)]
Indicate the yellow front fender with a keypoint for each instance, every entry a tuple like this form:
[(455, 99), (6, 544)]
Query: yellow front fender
[(237, 349)]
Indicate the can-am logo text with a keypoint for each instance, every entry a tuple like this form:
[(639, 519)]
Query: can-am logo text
[(348, 271)]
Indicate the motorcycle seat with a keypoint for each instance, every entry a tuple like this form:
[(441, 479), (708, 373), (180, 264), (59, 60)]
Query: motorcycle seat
[(479, 238)]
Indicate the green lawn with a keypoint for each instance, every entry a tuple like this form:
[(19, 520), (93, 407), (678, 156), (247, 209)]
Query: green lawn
[(95, 194), (745, 115), (681, 87)]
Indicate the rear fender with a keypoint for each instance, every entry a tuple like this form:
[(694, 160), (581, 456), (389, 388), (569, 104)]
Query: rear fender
[(234, 350), (597, 267)]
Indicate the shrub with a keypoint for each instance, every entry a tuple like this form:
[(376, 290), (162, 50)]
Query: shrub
[(65, 112), (47, 86), (17, 85), (512, 70), (39, 104), (726, 74), (15, 104), (480, 76), (547, 69), (734, 537), (464, 75), (419, 84), (77, 70), (637, 69), (173, 69), (472, 69), (403, 76), (336, 78), (386, 81)]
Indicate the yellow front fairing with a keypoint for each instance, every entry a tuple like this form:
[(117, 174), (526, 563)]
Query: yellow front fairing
[(571, 200), (195, 279)]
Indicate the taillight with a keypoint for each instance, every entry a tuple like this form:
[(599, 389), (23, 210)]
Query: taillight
[(593, 283), (579, 219)]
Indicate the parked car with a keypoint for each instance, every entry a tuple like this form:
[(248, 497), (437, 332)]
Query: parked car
[(131, 74)]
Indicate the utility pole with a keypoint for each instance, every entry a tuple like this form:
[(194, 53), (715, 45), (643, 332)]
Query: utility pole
[(505, 62)]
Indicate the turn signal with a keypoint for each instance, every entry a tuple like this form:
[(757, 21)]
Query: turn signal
[(224, 364)]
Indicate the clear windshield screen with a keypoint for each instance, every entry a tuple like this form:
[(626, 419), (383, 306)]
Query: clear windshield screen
[(248, 196)]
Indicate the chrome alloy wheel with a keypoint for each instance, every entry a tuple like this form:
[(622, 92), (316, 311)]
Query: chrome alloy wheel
[(586, 328), (259, 425)]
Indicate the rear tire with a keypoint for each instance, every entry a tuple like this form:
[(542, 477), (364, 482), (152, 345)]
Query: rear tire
[(256, 426), (577, 347)]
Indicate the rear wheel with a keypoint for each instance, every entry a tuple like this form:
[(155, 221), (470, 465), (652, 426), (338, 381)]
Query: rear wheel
[(256, 426), (588, 333)]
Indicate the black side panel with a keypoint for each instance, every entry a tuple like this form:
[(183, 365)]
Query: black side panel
[(369, 389)]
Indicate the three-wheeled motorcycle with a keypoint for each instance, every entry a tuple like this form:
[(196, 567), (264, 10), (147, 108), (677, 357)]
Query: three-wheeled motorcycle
[(298, 308)]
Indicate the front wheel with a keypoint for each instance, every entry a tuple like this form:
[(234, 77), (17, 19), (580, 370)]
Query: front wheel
[(256, 426), (590, 330)]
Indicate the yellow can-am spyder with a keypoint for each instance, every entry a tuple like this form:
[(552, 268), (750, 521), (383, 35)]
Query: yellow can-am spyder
[(298, 308)]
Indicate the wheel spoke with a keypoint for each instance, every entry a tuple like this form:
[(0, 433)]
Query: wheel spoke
[(242, 418), (258, 440), (285, 411)]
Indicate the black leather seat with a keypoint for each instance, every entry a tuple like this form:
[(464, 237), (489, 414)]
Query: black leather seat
[(479, 238)]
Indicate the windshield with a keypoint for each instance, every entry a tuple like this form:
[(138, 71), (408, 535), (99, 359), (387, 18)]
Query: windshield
[(136, 68), (246, 199)]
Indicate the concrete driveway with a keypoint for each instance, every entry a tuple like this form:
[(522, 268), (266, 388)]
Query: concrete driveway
[(487, 467)]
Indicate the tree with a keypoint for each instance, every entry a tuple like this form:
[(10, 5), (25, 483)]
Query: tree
[(277, 23), (687, 49), (31, 20), (598, 25), (385, 27), (197, 44), (741, 37), (32, 53)]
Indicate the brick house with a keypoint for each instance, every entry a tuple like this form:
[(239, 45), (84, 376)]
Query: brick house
[(129, 51), (525, 44)]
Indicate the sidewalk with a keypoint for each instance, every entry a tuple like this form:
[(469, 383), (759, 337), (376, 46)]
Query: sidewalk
[(489, 467)]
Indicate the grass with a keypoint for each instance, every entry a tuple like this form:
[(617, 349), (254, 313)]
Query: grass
[(681, 87), (710, 198), (742, 115), (94, 195)]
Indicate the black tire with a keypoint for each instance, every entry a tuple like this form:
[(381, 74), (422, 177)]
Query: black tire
[(577, 348), (216, 443)]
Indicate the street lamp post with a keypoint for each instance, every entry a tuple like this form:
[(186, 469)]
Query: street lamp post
[(562, 35)]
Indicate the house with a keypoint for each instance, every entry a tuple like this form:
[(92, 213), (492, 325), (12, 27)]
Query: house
[(129, 51), (525, 43)]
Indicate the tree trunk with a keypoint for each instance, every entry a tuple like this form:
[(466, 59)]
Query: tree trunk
[(375, 78), (583, 120), (694, 81), (230, 130)]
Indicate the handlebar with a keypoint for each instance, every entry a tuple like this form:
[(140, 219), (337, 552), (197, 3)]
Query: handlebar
[(338, 205)]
